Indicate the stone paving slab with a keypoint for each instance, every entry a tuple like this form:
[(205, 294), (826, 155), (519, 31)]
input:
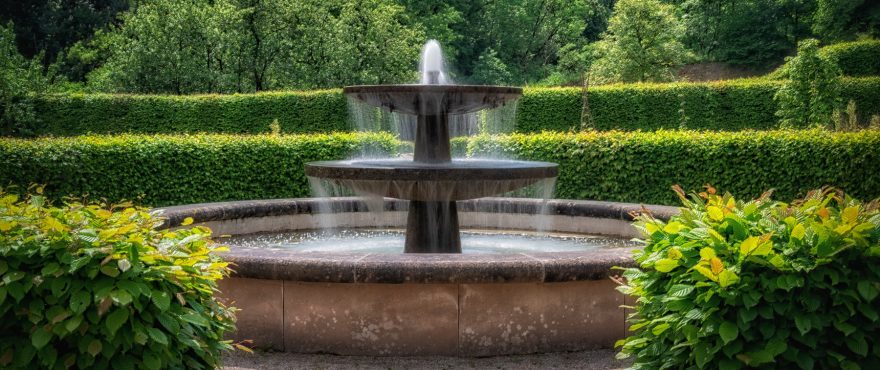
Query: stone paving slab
[(598, 360)]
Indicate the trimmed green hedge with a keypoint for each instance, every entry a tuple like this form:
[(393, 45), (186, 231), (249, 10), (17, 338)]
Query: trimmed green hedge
[(296, 112), (177, 169), (616, 166), (641, 167), (745, 104), (858, 58), (726, 105)]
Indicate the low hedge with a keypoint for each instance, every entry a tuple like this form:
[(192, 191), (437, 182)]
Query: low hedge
[(732, 284), (177, 169), (725, 105), (641, 166), (295, 111), (615, 166), (88, 286)]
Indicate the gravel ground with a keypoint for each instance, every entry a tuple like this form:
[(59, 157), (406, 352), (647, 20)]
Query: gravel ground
[(567, 360)]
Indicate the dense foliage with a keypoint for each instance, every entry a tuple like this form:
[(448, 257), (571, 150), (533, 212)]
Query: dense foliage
[(164, 170), (810, 93), (732, 284), (199, 46), (251, 45), (725, 105), (641, 166), (94, 287), (295, 112)]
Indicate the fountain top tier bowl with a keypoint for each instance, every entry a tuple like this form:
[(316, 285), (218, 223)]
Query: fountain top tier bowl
[(428, 99)]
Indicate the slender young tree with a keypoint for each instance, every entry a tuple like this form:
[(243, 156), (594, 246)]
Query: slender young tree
[(642, 43), (811, 93)]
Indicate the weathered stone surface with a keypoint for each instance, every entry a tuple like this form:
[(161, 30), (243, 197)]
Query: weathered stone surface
[(261, 315), (449, 268), (500, 319), (371, 319)]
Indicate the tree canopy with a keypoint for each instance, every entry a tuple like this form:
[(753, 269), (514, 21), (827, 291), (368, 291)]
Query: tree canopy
[(190, 46)]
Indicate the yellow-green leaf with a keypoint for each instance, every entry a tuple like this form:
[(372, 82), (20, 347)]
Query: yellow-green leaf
[(674, 254), (659, 329), (706, 272), (748, 245), (665, 265), (727, 278), (777, 261), (849, 214), (763, 249), (707, 253), (715, 213), (798, 232), (673, 227), (843, 229), (6, 226)]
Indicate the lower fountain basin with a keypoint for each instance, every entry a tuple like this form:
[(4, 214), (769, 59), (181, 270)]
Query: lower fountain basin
[(424, 304), (456, 180)]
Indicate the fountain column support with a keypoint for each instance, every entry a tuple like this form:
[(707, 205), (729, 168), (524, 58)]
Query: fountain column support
[(432, 226)]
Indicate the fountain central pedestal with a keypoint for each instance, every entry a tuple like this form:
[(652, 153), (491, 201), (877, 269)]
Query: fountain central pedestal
[(432, 181)]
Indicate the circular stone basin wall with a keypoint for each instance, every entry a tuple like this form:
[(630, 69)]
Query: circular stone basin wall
[(424, 304)]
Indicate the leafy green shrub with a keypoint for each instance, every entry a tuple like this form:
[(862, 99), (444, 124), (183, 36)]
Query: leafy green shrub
[(811, 92), (641, 166), (177, 169), (92, 287), (295, 111), (731, 284)]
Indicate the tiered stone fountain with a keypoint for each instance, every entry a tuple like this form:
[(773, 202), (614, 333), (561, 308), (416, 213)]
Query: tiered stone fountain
[(341, 299)]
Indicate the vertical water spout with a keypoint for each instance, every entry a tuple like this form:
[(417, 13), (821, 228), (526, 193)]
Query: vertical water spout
[(431, 66)]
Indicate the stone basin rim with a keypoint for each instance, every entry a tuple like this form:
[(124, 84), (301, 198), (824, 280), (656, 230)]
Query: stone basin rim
[(455, 171), (367, 268)]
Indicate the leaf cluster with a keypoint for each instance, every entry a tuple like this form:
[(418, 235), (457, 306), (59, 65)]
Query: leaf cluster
[(730, 284), (95, 287)]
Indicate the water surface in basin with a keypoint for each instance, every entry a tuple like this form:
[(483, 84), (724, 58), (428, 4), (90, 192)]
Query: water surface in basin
[(392, 241)]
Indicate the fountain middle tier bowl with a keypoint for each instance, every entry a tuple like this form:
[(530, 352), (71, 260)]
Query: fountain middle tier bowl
[(434, 99), (456, 180)]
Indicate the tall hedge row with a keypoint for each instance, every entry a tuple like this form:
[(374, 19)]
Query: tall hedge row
[(734, 105), (641, 166), (858, 58), (616, 165), (176, 169), (296, 112), (727, 105)]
